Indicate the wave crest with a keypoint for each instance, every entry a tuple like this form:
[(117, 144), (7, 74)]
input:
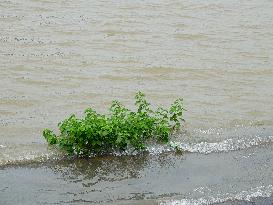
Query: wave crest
[(247, 196)]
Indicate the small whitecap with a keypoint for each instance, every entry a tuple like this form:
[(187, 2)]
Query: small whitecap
[(226, 145), (246, 195)]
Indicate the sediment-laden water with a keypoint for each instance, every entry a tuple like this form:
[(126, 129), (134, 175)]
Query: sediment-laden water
[(59, 57)]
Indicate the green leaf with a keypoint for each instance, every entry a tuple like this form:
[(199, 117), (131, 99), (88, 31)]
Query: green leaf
[(97, 133)]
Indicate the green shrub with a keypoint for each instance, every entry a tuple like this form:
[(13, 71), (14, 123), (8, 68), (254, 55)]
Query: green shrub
[(121, 129)]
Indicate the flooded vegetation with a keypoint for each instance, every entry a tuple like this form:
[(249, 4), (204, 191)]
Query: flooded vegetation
[(121, 129), (60, 57)]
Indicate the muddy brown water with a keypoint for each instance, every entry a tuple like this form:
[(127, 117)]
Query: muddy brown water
[(60, 57)]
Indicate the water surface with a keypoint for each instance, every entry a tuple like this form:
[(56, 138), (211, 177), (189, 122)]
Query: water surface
[(59, 57)]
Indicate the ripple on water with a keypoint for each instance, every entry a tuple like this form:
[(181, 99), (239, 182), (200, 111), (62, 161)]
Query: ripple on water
[(243, 197), (12, 155)]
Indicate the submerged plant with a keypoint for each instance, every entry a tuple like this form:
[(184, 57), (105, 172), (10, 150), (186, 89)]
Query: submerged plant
[(119, 130)]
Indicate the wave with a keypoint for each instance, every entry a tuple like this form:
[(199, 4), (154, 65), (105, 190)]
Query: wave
[(226, 145), (2, 146), (25, 154), (37, 153), (250, 195)]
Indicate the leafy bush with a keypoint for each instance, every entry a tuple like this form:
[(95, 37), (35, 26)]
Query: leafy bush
[(122, 129)]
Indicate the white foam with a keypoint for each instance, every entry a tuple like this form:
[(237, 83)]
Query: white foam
[(30, 153), (213, 147), (249, 195), (225, 145)]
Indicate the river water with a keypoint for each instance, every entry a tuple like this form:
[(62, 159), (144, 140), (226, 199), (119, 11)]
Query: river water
[(60, 57)]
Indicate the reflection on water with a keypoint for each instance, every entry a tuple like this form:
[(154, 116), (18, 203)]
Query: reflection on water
[(99, 179), (101, 168), (213, 178)]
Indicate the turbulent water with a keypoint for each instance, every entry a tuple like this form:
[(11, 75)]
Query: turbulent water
[(59, 57)]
